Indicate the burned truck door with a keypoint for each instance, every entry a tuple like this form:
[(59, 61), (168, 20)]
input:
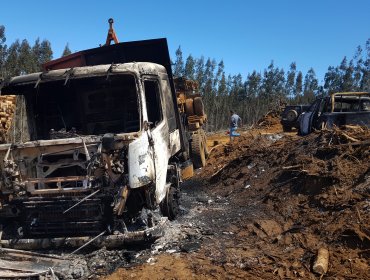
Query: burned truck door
[(140, 162), (157, 133), (170, 115), (307, 118)]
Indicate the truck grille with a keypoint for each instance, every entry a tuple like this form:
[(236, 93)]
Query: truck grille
[(45, 218)]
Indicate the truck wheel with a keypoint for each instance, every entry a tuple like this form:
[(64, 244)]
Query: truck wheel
[(170, 206), (203, 133), (198, 106), (292, 115), (198, 150), (287, 128), (189, 109)]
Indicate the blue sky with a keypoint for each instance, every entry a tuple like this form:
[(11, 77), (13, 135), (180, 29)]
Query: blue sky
[(247, 35)]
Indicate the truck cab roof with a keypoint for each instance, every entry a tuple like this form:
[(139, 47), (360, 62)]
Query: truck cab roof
[(17, 85)]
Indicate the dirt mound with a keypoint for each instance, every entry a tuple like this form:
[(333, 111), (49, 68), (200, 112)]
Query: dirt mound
[(265, 204), (270, 121), (314, 191)]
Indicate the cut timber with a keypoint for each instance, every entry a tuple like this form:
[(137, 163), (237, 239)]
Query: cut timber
[(291, 167), (189, 109), (349, 137), (198, 106), (360, 143), (7, 108), (322, 261), (353, 127)]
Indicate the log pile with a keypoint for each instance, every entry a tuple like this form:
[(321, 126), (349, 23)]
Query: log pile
[(190, 102), (7, 108)]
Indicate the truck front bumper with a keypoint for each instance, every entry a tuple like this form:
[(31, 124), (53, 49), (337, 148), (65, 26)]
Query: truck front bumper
[(109, 241)]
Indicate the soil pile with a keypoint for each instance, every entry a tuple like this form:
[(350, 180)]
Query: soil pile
[(266, 203), (312, 192), (270, 121)]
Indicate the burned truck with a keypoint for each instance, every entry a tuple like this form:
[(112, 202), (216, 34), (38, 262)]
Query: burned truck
[(100, 145), (337, 109)]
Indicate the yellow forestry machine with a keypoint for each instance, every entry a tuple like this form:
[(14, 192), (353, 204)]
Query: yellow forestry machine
[(191, 107)]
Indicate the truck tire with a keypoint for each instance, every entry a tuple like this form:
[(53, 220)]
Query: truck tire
[(204, 136), (292, 115), (198, 150), (170, 206), (287, 128), (198, 106), (189, 109)]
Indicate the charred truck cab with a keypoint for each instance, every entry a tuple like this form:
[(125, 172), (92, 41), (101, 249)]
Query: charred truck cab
[(337, 109), (99, 144)]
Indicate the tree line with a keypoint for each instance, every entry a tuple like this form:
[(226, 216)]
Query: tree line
[(21, 58), (250, 97), (260, 92)]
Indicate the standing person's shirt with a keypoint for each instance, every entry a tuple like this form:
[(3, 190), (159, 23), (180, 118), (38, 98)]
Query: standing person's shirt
[(235, 119)]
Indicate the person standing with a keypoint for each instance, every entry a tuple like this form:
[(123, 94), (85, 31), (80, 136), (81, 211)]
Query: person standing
[(235, 120)]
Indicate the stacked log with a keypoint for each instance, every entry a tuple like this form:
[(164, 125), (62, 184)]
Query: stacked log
[(190, 102), (7, 108)]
